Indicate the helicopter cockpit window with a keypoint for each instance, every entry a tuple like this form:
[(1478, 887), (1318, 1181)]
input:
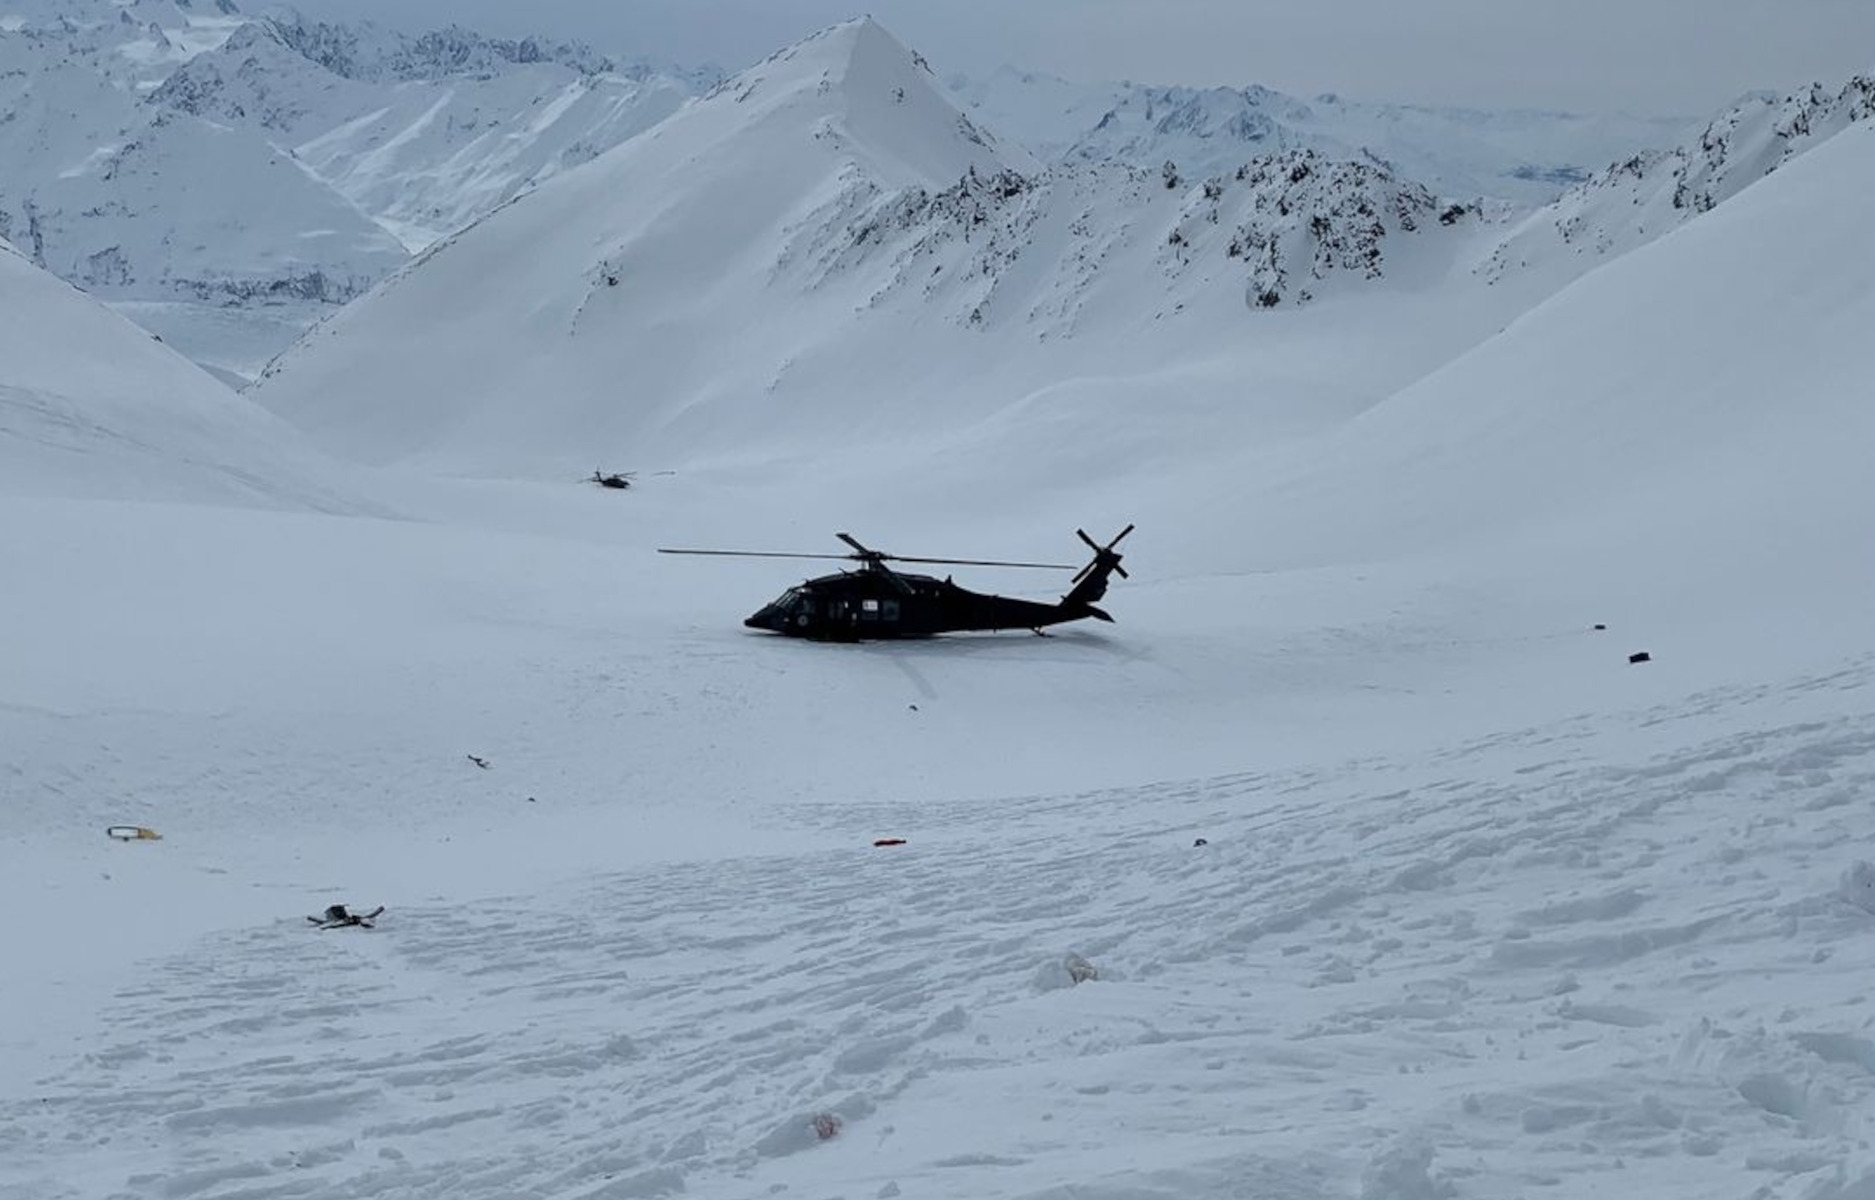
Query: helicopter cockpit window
[(794, 600)]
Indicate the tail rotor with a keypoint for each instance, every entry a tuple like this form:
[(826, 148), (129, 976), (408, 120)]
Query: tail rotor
[(1104, 556), (1091, 583)]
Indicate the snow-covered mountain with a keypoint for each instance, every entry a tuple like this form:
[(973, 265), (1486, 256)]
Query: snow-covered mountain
[(92, 407), (424, 133), (703, 286), (226, 179), (129, 200), (1521, 156), (1648, 195), (133, 43), (616, 278), (323, 138)]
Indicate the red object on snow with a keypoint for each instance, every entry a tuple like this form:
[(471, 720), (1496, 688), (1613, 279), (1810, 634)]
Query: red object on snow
[(888, 841)]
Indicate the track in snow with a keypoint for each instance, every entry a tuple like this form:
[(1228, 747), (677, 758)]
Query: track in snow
[(1504, 969)]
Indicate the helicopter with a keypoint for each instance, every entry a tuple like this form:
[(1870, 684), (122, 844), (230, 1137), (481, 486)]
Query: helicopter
[(877, 601), (616, 479)]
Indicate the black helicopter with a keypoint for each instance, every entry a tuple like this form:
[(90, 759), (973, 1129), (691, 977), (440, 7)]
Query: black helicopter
[(617, 479), (877, 601)]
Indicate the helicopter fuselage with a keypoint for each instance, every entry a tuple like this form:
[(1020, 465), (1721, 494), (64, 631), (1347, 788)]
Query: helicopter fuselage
[(870, 604)]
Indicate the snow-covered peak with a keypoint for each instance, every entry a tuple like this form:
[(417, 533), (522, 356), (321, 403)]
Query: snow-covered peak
[(688, 227), (246, 80), (880, 100)]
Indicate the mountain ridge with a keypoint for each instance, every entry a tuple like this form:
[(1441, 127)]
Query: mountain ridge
[(1639, 199), (1520, 156)]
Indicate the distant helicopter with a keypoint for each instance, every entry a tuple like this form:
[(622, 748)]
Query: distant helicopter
[(616, 479), (877, 601)]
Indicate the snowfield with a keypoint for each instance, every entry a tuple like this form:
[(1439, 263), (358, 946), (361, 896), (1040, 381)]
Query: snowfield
[(1426, 950), (1356, 861)]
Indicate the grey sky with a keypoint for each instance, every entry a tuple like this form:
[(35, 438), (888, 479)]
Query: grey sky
[(1665, 56)]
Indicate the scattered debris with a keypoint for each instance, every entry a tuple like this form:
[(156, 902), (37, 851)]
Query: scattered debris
[(826, 1125), (913, 707), (1640, 656), (1201, 842), (337, 916), (1598, 625), (133, 833), (1079, 969), (888, 841), (480, 762), (531, 800)]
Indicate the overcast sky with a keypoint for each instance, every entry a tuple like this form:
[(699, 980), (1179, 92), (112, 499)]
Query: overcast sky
[(1683, 57)]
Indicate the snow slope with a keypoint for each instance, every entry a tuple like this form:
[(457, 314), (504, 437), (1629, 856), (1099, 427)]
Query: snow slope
[(1662, 383), (1525, 157), (93, 407)]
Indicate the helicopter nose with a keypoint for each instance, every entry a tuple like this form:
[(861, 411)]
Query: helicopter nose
[(763, 618)]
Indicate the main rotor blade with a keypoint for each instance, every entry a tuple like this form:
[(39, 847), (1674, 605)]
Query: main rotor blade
[(751, 553), (981, 562), (881, 556)]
